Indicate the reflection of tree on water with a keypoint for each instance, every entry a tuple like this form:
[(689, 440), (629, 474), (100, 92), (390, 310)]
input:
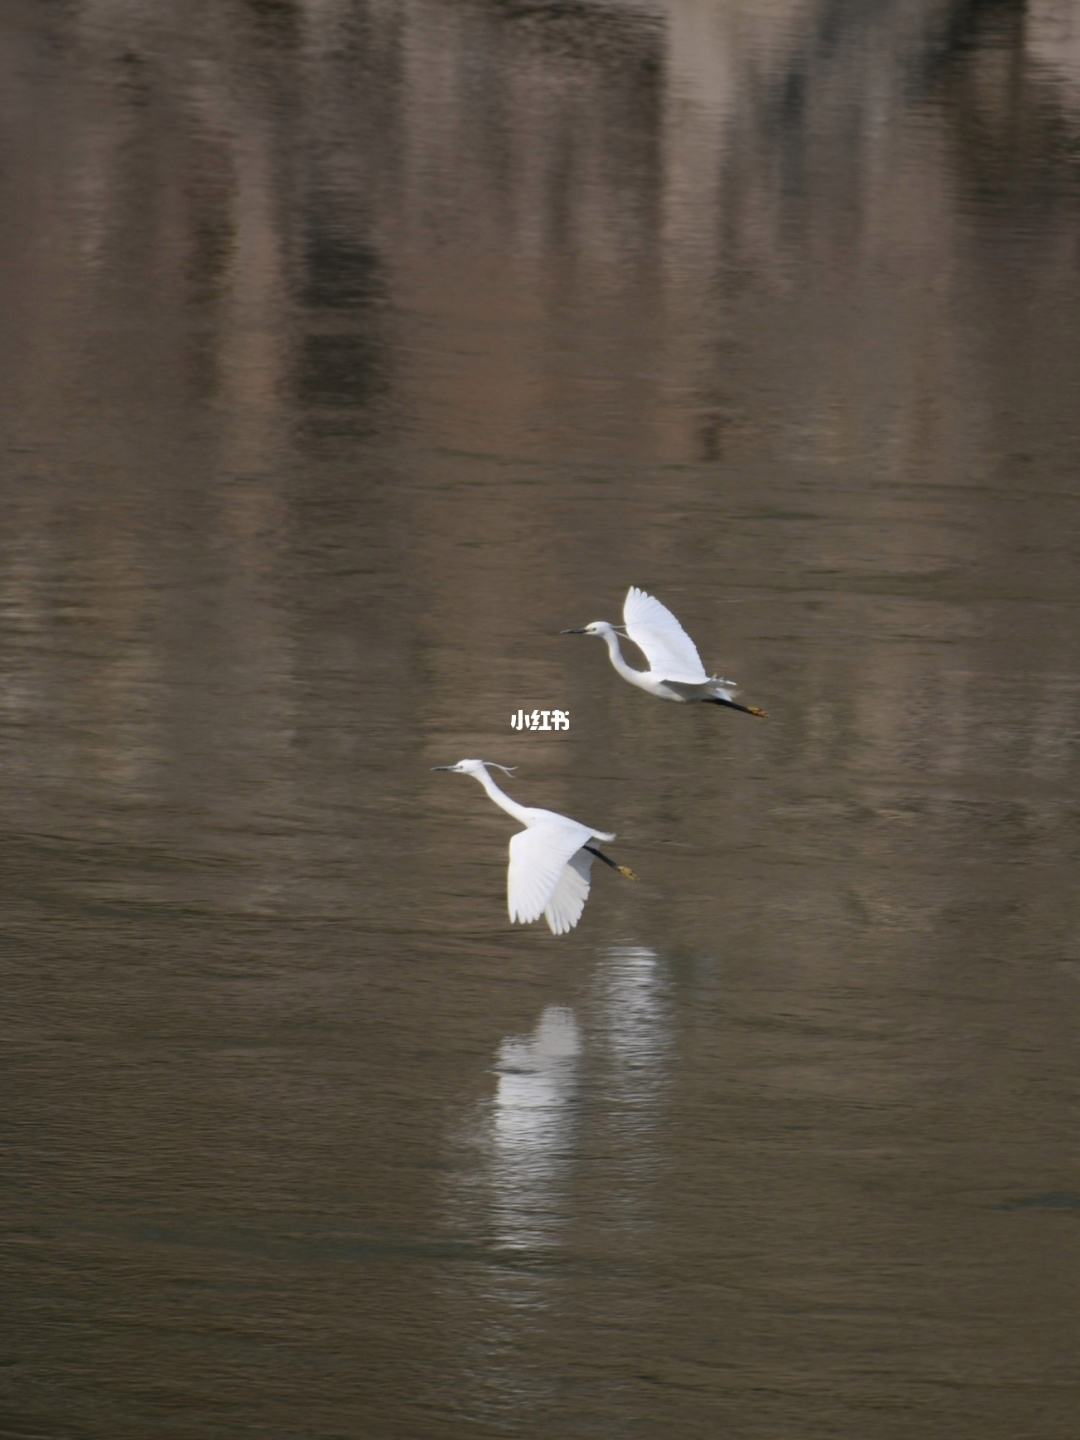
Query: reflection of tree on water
[(645, 164), (280, 18), (354, 221), (341, 361)]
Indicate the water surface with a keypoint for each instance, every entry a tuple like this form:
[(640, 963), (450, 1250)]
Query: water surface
[(351, 350)]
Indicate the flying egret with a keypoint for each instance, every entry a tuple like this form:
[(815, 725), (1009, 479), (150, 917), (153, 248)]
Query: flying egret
[(550, 859), (675, 670)]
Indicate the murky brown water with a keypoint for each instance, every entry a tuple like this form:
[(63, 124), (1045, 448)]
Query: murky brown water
[(353, 349)]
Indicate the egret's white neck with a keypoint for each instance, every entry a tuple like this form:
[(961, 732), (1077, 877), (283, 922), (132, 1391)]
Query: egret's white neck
[(615, 655), (519, 812)]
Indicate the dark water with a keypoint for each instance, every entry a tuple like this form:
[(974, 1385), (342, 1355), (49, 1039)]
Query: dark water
[(350, 351)]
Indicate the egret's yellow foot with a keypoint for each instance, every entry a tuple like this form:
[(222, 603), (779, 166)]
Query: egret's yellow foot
[(625, 870)]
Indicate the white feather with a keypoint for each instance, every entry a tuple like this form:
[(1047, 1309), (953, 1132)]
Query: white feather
[(563, 910), (543, 879), (671, 654)]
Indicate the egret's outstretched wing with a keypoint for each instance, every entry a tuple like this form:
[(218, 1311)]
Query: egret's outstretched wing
[(652, 627), (563, 910), (539, 857)]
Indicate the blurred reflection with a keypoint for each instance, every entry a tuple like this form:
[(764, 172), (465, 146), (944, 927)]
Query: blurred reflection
[(1052, 38), (634, 1019), (636, 1013), (534, 1129)]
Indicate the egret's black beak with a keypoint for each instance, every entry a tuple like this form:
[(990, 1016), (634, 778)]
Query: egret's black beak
[(442, 767), (572, 632)]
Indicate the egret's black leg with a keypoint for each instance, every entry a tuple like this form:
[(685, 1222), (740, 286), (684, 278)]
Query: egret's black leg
[(622, 869), (734, 705)]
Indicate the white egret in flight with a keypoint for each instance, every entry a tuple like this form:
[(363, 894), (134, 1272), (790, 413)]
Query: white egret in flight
[(675, 670), (550, 859)]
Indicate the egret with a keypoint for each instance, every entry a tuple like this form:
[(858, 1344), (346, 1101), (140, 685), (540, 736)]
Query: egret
[(675, 670), (550, 859)]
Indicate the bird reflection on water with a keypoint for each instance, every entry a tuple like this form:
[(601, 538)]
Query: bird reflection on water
[(533, 1128)]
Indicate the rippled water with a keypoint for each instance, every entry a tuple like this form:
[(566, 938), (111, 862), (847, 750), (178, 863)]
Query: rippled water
[(352, 349)]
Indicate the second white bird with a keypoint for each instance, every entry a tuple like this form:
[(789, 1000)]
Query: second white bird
[(675, 670), (550, 860)]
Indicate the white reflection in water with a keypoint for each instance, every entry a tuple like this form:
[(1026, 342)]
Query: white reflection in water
[(533, 1127), (635, 1006), (636, 1013)]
